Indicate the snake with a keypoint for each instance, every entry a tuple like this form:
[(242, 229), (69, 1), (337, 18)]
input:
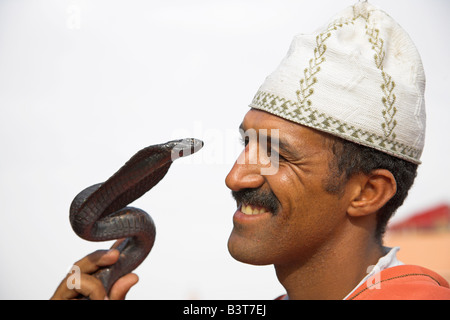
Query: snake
[(101, 212)]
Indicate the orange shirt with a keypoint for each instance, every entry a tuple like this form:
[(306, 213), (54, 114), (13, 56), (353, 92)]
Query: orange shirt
[(404, 282)]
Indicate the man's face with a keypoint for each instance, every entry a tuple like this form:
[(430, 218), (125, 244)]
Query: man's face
[(284, 215)]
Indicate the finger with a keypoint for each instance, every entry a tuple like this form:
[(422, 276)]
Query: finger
[(97, 259), (86, 286), (91, 287), (63, 292), (87, 265), (121, 287), (117, 243)]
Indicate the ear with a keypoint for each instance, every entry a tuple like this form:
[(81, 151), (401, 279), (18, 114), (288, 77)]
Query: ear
[(372, 192)]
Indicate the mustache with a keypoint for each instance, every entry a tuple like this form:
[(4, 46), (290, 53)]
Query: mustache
[(257, 197)]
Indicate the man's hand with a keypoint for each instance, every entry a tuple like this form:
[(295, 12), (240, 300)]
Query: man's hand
[(90, 286)]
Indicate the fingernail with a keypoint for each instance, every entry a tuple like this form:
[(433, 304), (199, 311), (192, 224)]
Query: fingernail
[(106, 298)]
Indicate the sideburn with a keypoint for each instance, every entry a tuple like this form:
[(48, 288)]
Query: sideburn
[(335, 182)]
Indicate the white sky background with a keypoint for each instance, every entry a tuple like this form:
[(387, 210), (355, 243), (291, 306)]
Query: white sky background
[(85, 84)]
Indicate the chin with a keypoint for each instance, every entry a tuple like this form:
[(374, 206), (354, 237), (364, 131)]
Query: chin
[(248, 252)]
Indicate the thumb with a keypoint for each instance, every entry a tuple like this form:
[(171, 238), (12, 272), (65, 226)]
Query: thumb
[(121, 287)]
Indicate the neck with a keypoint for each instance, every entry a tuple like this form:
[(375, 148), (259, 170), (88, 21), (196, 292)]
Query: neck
[(332, 271)]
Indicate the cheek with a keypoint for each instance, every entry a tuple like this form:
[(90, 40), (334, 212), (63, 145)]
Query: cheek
[(308, 213), (300, 190), (290, 192)]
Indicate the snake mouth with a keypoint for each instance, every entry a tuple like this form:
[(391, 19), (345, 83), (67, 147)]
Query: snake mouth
[(184, 147)]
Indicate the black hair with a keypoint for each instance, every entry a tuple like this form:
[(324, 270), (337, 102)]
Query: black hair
[(351, 158)]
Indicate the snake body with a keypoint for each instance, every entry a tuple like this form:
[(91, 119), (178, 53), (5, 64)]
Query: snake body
[(100, 212)]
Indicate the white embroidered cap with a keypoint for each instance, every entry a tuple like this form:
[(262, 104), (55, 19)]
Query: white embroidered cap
[(360, 78)]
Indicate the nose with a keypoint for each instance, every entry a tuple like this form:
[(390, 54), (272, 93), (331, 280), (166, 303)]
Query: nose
[(244, 175)]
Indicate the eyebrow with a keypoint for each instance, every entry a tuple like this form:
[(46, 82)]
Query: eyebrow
[(281, 144)]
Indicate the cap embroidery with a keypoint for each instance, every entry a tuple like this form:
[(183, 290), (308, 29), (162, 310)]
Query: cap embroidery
[(306, 84), (310, 117), (388, 86)]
